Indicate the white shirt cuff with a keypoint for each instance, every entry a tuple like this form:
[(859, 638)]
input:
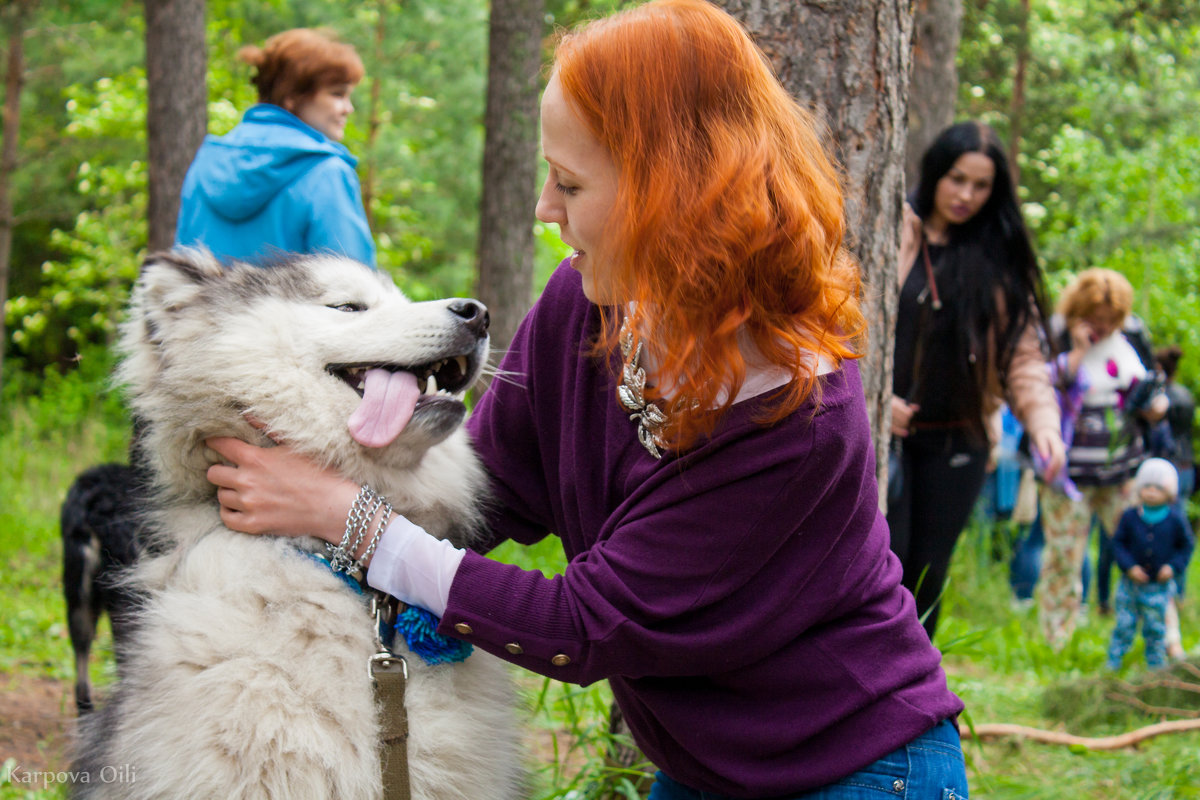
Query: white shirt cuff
[(414, 567)]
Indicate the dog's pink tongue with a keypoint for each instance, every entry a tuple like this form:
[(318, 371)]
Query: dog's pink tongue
[(387, 405)]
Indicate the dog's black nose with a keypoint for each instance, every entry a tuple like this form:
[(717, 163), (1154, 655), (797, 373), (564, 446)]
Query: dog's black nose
[(474, 313)]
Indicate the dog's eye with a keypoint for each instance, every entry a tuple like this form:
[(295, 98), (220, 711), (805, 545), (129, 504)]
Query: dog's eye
[(348, 307)]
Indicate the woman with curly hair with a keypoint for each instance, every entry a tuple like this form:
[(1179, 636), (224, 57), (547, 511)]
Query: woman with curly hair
[(282, 181), (682, 408), (970, 334), (1108, 393)]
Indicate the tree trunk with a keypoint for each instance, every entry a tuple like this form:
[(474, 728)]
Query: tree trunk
[(14, 80), (850, 61), (1016, 112), (933, 89), (375, 114), (177, 106), (510, 165)]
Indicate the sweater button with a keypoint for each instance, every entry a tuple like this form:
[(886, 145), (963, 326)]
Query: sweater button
[(514, 648), (898, 785), (464, 628), (561, 660)]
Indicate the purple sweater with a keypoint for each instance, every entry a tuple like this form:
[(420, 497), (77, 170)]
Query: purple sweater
[(740, 598)]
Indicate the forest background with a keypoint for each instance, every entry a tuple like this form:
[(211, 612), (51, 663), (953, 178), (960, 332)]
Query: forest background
[(1102, 121), (1098, 100)]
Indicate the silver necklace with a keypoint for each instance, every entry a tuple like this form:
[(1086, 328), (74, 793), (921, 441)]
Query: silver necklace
[(649, 417)]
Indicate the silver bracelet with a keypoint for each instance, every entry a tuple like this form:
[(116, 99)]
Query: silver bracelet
[(373, 504), (384, 520), (358, 521)]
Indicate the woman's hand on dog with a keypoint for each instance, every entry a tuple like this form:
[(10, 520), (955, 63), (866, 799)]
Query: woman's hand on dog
[(278, 491)]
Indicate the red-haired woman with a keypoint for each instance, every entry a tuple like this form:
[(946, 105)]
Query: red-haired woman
[(282, 181), (682, 408)]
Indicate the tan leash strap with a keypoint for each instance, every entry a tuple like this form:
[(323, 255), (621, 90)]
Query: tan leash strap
[(389, 676)]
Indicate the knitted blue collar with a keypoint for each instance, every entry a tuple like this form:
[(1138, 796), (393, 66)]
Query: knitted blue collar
[(419, 629), (416, 625)]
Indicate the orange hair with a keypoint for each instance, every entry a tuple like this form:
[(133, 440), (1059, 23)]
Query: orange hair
[(1097, 291), (296, 64), (729, 213)]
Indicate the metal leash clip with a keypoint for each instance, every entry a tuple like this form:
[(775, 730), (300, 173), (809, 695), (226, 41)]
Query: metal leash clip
[(384, 661)]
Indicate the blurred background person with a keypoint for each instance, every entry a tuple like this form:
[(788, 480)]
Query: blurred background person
[(281, 181), (969, 334), (1107, 393)]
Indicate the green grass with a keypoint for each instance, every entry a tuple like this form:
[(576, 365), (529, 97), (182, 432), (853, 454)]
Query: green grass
[(995, 657), (42, 454), (999, 664)]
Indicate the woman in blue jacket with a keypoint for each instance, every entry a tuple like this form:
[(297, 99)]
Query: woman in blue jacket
[(281, 181)]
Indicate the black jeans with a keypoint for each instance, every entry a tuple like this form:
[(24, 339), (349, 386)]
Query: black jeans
[(944, 472)]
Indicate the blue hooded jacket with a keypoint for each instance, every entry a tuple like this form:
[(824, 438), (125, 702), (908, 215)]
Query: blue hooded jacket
[(273, 184)]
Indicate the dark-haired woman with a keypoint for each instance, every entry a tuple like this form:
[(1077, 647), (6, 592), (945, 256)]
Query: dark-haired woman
[(969, 334), (281, 181)]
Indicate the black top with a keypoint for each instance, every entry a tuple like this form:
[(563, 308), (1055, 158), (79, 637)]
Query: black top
[(945, 372)]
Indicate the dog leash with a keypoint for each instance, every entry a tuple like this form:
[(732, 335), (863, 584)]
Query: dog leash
[(389, 676), (388, 670)]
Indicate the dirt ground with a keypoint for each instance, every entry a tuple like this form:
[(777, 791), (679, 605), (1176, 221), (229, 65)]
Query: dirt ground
[(37, 717), (37, 720)]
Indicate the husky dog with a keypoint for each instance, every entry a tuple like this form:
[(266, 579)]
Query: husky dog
[(246, 673)]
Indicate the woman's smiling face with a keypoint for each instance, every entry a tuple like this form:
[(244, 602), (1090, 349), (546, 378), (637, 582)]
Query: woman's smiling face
[(580, 190), (327, 109)]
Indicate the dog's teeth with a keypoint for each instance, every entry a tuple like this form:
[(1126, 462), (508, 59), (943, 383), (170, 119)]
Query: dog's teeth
[(431, 386), (462, 364)]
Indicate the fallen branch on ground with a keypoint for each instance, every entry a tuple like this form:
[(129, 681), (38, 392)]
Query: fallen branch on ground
[(1001, 729), (1149, 709), (1163, 683)]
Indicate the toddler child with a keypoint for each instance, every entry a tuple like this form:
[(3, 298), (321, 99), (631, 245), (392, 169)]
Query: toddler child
[(1151, 544)]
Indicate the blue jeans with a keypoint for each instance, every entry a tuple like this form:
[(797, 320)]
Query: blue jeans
[(1145, 602), (929, 767)]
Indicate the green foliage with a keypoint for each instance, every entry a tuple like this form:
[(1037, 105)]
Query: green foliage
[(78, 304), (1109, 153)]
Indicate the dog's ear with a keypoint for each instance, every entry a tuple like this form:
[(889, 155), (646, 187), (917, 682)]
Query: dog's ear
[(172, 279)]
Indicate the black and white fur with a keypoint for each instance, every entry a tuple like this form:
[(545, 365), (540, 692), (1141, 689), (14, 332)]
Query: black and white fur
[(99, 522), (247, 675)]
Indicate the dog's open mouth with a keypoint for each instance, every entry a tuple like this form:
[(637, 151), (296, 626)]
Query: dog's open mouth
[(449, 374), (391, 393)]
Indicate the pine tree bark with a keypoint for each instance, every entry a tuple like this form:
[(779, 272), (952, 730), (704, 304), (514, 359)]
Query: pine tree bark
[(510, 165), (849, 60), (14, 81), (1016, 112), (933, 88), (375, 114), (177, 106)]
